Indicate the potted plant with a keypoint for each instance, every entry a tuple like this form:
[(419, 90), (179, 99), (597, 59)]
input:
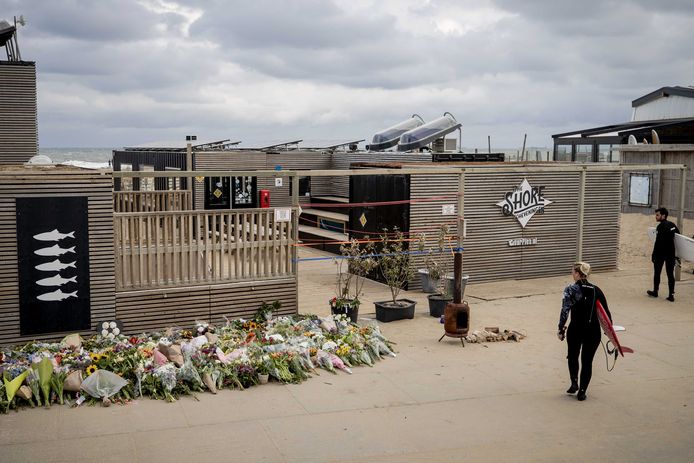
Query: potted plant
[(435, 262), (394, 266), (348, 285), (433, 270)]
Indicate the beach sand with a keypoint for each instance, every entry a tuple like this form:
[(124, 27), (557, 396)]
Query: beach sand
[(634, 245)]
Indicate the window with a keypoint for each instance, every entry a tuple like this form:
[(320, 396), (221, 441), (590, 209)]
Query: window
[(304, 186), (126, 184), (563, 153), (245, 192), (608, 153), (217, 193), (147, 183), (173, 183), (584, 153), (640, 189)]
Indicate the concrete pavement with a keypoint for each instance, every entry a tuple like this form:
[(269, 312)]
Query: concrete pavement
[(435, 402)]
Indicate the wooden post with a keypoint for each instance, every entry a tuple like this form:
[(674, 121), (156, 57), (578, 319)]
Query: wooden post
[(189, 167), (458, 256), (525, 136), (581, 212), (489, 143), (295, 224), (683, 187)]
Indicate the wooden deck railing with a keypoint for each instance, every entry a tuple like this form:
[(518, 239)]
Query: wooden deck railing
[(151, 201), (159, 249)]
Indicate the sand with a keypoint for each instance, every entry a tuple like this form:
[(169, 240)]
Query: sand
[(634, 245)]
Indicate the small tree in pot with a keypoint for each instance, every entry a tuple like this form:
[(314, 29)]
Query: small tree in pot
[(348, 286), (443, 294), (394, 266)]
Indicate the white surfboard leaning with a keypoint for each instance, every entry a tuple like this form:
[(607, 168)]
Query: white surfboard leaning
[(684, 246)]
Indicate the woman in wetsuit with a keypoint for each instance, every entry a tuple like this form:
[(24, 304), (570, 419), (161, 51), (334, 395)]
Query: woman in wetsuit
[(583, 335)]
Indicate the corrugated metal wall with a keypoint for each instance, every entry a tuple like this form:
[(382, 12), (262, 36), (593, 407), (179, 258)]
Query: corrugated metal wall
[(18, 124), (60, 181), (339, 186)]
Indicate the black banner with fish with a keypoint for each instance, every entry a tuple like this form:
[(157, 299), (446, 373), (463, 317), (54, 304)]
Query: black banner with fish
[(53, 252)]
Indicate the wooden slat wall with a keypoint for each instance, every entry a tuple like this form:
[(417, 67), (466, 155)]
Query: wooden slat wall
[(295, 160), (487, 255), (23, 182), (601, 219), (156, 309), (426, 218), (18, 123), (223, 160), (339, 186)]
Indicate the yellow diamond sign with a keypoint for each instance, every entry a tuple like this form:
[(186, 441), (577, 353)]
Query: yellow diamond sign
[(217, 193), (362, 220)]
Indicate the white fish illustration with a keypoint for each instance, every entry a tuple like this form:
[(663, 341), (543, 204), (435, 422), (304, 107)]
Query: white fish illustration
[(55, 266), (56, 295), (53, 235), (54, 250), (56, 280)]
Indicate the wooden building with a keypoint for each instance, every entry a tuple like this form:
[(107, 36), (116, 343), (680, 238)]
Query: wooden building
[(70, 262), (18, 118)]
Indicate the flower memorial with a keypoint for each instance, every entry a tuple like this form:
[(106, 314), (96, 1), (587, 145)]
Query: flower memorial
[(176, 362)]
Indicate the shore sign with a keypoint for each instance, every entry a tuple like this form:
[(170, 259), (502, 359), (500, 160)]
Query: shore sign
[(524, 202)]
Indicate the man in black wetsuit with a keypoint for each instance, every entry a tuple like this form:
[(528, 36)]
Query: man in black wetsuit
[(664, 253), (583, 335)]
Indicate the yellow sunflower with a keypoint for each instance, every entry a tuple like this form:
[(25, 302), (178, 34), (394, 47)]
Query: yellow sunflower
[(91, 369), (94, 356)]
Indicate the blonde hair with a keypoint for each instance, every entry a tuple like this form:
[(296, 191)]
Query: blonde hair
[(583, 268)]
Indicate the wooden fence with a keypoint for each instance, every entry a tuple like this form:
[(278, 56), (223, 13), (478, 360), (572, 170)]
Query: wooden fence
[(151, 201), (161, 249)]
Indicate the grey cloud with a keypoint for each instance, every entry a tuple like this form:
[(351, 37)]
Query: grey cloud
[(102, 20)]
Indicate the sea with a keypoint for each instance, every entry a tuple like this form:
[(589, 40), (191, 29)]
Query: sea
[(94, 158)]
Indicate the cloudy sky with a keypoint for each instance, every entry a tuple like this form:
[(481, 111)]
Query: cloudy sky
[(115, 73)]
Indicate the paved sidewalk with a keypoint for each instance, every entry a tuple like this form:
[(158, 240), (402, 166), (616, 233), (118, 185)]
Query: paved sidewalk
[(435, 402)]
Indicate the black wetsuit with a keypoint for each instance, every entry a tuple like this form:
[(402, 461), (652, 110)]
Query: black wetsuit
[(664, 253), (583, 335)]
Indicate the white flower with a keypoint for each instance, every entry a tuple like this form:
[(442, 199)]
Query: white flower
[(104, 325)]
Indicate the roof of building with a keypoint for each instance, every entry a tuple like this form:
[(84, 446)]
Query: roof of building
[(687, 92)]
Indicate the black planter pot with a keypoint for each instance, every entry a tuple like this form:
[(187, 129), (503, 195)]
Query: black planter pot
[(387, 312), (437, 304), (352, 311)]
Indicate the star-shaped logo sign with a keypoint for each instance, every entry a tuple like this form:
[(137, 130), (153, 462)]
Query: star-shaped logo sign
[(524, 202)]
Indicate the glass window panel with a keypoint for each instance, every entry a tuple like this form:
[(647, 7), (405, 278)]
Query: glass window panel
[(147, 183), (584, 153), (608, 153), (126, 184), (563, 153)]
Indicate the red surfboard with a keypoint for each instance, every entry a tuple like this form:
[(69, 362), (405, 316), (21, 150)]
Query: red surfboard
[(607, 328)]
